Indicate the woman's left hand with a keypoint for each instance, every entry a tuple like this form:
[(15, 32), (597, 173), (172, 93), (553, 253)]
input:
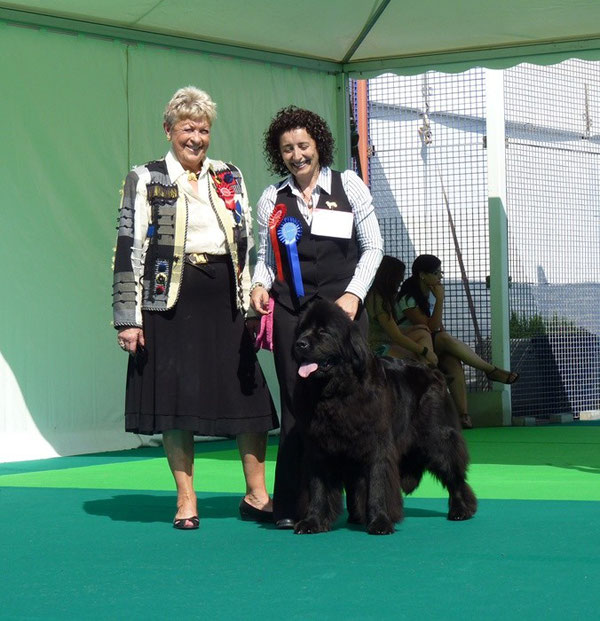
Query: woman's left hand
[(349, 304)]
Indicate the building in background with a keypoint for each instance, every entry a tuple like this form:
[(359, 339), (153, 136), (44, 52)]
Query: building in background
[(428, 172)]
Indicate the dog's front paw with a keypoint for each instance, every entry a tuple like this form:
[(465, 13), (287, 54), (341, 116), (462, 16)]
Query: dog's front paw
[(381, 525), (309, 527)]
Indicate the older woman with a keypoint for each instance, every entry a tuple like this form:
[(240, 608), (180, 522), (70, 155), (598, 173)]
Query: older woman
[(318, 237), (181, 282)]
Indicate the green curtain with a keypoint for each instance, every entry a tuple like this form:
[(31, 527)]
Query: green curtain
[(64, 118), (247, 94), (78, 112)]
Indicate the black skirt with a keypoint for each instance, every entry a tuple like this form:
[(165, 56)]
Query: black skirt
[(199, 371)]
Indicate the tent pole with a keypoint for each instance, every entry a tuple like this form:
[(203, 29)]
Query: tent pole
[(363, 129), (498, 232), (342, 129)]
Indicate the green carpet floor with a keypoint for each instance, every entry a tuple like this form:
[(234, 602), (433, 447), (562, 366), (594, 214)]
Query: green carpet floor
[(89, 537)]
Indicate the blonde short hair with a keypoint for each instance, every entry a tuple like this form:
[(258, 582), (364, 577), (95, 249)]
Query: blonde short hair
[(190, 102)]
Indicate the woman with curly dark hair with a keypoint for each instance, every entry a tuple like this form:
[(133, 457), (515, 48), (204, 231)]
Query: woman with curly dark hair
[(318, 238), (292, 118)]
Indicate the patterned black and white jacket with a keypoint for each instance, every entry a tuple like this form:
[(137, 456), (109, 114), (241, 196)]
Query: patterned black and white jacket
[(152, 228)]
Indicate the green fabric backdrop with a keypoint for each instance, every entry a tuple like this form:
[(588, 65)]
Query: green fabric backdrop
[(77, 112)]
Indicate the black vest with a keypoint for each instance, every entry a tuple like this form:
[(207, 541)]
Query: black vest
[(327, 264)]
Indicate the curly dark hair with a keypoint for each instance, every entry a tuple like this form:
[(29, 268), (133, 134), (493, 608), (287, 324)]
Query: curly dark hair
[(293, 117)]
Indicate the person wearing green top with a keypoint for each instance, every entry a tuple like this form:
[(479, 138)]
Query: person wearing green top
[(386, 338)]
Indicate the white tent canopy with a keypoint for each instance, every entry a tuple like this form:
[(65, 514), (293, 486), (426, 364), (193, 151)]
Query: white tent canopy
[(355, 36)]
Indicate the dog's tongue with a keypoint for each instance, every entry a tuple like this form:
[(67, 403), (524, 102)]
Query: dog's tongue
[(307, 368)]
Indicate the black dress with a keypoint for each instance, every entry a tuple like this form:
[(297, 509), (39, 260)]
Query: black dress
[(199, 371)]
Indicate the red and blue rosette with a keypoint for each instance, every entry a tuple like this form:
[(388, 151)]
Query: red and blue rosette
[(289, 234), (277, 215), (225, 187)]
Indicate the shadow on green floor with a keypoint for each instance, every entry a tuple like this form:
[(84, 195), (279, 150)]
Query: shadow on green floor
[(148, 508)]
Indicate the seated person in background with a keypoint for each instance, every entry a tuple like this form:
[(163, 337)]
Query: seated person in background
[(421, 301), (385, 337)]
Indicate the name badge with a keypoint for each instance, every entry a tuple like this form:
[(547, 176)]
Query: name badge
[(332, 223)]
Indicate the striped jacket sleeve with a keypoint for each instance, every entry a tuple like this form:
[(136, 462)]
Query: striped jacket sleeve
[(128, 259)]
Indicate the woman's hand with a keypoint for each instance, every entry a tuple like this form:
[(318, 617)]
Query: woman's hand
[(438, 291), (349, 304), (431, 360), (259, 300), (130, 339)]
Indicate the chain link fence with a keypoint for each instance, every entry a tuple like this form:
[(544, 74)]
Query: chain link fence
[(428, 177), (553, 207)]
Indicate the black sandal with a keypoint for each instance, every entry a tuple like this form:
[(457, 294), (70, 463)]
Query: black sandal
[(189, 523), (511, 376)]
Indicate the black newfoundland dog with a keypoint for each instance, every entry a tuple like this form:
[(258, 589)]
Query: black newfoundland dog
[(372, 426)]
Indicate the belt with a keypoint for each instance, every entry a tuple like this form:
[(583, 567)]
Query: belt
[(201, 258)]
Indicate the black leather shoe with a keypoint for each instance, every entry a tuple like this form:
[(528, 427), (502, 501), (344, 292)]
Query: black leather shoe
[(250, 513), (285, 524)]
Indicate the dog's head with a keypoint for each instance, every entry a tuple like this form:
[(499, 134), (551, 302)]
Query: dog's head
[(326, 340)]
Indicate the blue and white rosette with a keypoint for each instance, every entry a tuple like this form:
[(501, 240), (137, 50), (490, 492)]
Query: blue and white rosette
[(237, 214), (289, 233)]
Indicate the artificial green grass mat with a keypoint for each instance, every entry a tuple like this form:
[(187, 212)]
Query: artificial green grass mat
[(537, 463), (90, 537), (112, 554)]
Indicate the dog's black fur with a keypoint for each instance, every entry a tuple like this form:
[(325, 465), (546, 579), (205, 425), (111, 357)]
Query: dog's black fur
[(372, 426)]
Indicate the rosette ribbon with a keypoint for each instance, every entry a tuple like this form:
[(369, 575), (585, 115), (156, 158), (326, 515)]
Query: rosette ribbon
[(277, 215), (225, 187), (289, 233), (237, 214)]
